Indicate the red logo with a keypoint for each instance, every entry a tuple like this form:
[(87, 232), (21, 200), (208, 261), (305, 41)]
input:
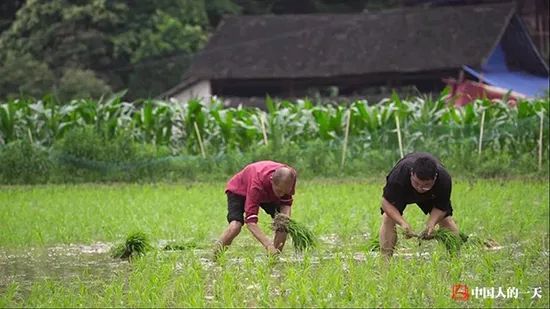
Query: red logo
[(460, 292)]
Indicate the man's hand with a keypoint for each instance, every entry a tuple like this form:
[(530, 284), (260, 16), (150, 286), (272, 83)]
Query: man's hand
[(428, 232), (281, 222), (407, 230), (392, 212)]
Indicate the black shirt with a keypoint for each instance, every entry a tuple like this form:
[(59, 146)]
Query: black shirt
[(399, 191)]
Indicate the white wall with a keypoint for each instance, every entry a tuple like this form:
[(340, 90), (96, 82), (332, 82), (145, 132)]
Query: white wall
[(199, 90)]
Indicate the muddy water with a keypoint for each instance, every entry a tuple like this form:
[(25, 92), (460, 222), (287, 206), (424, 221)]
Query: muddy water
[(69, 263), (92, 261), (66, 263)]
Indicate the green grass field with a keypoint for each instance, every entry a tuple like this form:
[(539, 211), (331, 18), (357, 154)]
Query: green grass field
[(54, 243)]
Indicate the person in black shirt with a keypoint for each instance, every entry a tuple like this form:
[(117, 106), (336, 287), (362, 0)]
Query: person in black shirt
[(417, 178)]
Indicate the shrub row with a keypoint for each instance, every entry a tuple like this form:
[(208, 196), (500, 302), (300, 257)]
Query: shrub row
[(84, 155)]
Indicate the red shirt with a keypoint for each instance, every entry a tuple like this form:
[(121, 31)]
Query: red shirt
[(254, 183)]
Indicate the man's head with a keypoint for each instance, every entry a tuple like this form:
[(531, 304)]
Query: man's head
[(282, 181), (423, 174)]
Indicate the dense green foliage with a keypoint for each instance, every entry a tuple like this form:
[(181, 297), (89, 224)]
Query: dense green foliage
[(84, 49), (114, 140), (108, 42)]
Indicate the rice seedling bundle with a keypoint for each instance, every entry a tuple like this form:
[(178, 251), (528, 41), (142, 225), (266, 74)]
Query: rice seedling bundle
[(136, 244), (452, 242), (302, 237), (373, 244)]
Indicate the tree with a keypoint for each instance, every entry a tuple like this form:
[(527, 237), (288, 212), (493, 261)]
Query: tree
[(62, 34), (216, 9), (158, 39), (111, 38), (78, 83), (144, 46), (21, 74), (8, 9)]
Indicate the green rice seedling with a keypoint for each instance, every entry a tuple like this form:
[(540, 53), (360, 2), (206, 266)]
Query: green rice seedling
[(136, 244), (180, 247), (463, 236), (334, 277), (373, 244), (476, 241), (302, 237), (451, 241), (472, 240)]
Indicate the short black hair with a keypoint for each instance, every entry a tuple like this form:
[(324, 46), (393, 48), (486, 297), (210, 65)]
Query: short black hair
[(425, 168)]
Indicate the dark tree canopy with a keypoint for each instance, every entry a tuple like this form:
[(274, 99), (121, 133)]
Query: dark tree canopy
[(143, 46), (8, 9)]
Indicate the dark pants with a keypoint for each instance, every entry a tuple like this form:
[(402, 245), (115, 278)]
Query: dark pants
[(235, 207), (426, 208)]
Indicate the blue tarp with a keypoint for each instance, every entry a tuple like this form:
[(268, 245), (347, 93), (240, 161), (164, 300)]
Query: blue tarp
[(496, 73)]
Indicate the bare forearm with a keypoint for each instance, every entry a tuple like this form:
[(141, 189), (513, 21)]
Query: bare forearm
[(258, 234), (435, 216), (392, 212)]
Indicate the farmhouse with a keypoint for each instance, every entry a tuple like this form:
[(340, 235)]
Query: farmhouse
[(293, 55)]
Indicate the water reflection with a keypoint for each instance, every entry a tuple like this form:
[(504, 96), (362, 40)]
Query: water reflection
[(24, 266)]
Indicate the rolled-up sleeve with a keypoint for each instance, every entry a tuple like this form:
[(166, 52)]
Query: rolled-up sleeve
[(286, 200)]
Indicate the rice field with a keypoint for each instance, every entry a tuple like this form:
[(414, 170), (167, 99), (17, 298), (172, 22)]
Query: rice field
[(56, 242)]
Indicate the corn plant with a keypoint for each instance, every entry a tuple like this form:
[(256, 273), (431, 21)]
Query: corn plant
[(154, 122), (9, 121), (424, 123)]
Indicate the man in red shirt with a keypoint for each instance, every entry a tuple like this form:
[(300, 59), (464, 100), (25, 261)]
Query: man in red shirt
[(264, 184)]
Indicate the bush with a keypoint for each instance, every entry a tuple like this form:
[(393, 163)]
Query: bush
[(90, 144), (24, 75), (151, 163), (85, 154), (76, 83), (24, 163), (318, 158)]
